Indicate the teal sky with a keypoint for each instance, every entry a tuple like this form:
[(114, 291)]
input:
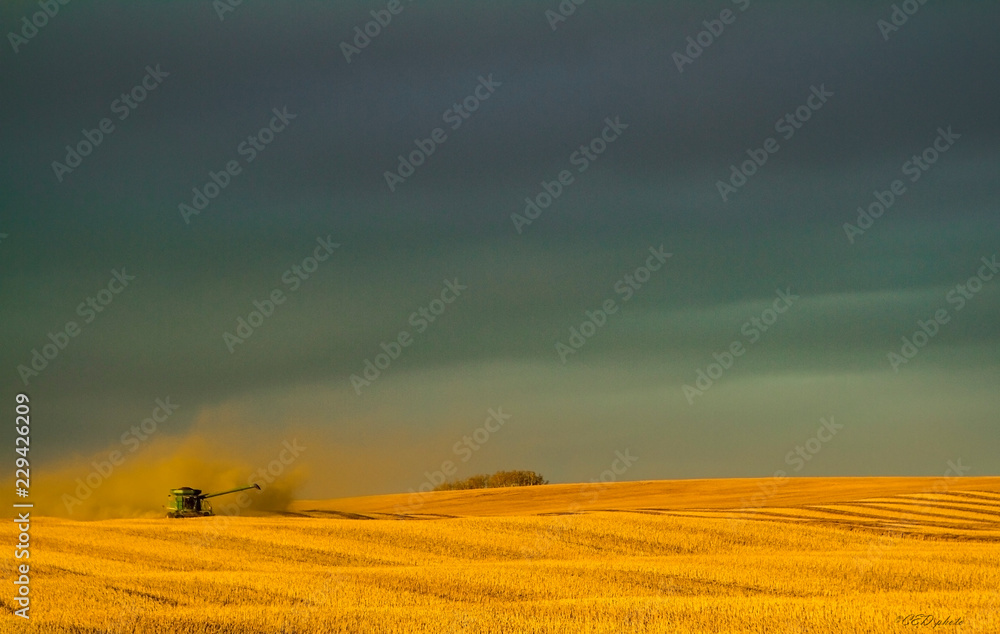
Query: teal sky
[(495, 346)]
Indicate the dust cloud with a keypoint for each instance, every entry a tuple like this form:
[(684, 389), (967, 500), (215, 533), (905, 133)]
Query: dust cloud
[(95, 487)]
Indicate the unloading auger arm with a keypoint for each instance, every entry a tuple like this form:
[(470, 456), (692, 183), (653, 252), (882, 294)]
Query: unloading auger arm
[(212, 495)]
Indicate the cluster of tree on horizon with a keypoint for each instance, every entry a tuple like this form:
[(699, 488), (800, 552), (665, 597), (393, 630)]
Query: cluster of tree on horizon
[(497, 480)]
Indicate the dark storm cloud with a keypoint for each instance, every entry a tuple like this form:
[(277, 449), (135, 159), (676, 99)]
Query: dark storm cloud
[(225, 76), (324, 175)]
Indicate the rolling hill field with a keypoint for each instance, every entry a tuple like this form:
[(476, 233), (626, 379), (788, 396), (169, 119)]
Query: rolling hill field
[(754, 555)]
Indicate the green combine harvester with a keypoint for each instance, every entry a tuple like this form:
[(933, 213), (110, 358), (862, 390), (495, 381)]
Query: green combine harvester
[(190, 502)]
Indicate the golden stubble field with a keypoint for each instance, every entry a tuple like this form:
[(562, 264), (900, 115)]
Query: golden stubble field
[(804, 555)]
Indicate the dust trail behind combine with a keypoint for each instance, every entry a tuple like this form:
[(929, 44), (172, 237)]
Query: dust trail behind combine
[(93, 488)]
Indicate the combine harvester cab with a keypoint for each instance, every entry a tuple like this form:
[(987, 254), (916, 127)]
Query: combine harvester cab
[(190, 502)]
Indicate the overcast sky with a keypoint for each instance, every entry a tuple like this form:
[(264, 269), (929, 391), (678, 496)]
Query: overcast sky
[(869, 99)]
